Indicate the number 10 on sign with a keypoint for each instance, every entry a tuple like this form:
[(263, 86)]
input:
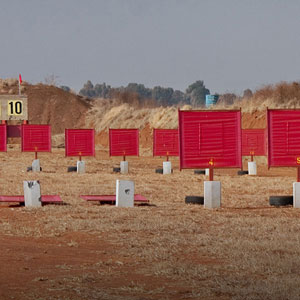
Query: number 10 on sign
[(15, 108)]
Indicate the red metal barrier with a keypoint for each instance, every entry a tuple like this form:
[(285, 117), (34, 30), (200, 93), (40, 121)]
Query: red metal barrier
[(283, 138), (210, 139), (80, 142), (3, 138), (124, 142), (36, 138), (165, 142), (254, 142)]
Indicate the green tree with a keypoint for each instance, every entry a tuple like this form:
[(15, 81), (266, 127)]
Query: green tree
[(196, 92), (88, 90)]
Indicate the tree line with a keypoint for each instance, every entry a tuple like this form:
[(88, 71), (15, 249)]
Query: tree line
[(194, 95)]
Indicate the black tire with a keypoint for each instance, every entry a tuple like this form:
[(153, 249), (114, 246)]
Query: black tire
[(117, 170), (159, 171), (72, 169), (29, 169), (240, 172), (194, 200), (281, 200), (202, 172)]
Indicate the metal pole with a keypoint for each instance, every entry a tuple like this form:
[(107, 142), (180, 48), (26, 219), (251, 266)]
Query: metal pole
[(35, 155), (211, 173), (298, 174)]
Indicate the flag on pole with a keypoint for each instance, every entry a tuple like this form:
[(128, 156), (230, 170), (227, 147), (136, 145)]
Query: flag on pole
[(20, 81)]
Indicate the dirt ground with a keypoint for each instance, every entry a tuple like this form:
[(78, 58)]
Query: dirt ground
[(168, 250)]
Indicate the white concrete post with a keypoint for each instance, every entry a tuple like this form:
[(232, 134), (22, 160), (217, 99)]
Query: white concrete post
[(36, 166), (212, 194), (207, 172), (124, 193), (167, 167), (80, 167), (252, 170), (32, 193), (124, 167), (296, 194)]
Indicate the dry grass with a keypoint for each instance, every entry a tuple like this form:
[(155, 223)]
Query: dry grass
[(244, 250)]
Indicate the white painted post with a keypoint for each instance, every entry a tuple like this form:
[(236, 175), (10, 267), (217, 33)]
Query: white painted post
[(124, 193), (252, 169), (36, 166), (124, 167), (296, 194), (207, 172), (80, 167), (32, 193), (212, 194), (167, 167)]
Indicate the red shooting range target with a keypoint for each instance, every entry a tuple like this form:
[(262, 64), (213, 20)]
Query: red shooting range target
[(283, 138), (165, 142), (3, 137), (254, 142), (210, 138), (123, 142), (36, 138), (80, 142)]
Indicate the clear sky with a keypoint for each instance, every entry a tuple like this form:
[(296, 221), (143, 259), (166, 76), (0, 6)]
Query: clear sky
[(230, 44)]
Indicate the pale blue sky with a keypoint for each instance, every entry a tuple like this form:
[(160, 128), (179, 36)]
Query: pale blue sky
[(230, 44)]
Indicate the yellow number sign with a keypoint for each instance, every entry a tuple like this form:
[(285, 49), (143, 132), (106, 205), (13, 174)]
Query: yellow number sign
[(298, 160), (14, 108)]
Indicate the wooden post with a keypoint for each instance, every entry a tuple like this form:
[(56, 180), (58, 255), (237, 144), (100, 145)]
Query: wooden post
[(298, 174), (35, 155)]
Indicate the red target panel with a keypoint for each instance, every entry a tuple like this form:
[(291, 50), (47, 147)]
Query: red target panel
[(210, 138), (283, 138), (254, 142), (80, 142), (165, 142), (36, 138), (123, 142), (3, 138)]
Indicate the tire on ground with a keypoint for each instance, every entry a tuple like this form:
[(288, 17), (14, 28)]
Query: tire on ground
[(199, 172), (72, 169), (241, 172), (281, 200), (159, 171), (194, 199), (117, 170)]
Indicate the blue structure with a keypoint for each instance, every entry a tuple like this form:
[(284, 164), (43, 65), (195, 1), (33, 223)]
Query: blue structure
[(211, 100)]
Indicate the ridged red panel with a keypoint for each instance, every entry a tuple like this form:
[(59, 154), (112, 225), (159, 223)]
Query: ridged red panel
[(80, 142), (283, 138), (3, 138), (210, 136), (165, 142), (124, 142), (36, 138), (254, 141)]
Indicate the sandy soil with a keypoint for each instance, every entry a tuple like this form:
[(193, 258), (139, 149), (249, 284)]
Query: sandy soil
[(168, 250)]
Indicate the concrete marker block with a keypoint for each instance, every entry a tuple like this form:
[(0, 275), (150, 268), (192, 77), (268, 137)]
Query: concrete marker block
[(124, 167), (296, 194), (36, 166), (80, 166), (212, 194), (207, 172), (32, 193), (252, 169), (124, 193), (167, 167)]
